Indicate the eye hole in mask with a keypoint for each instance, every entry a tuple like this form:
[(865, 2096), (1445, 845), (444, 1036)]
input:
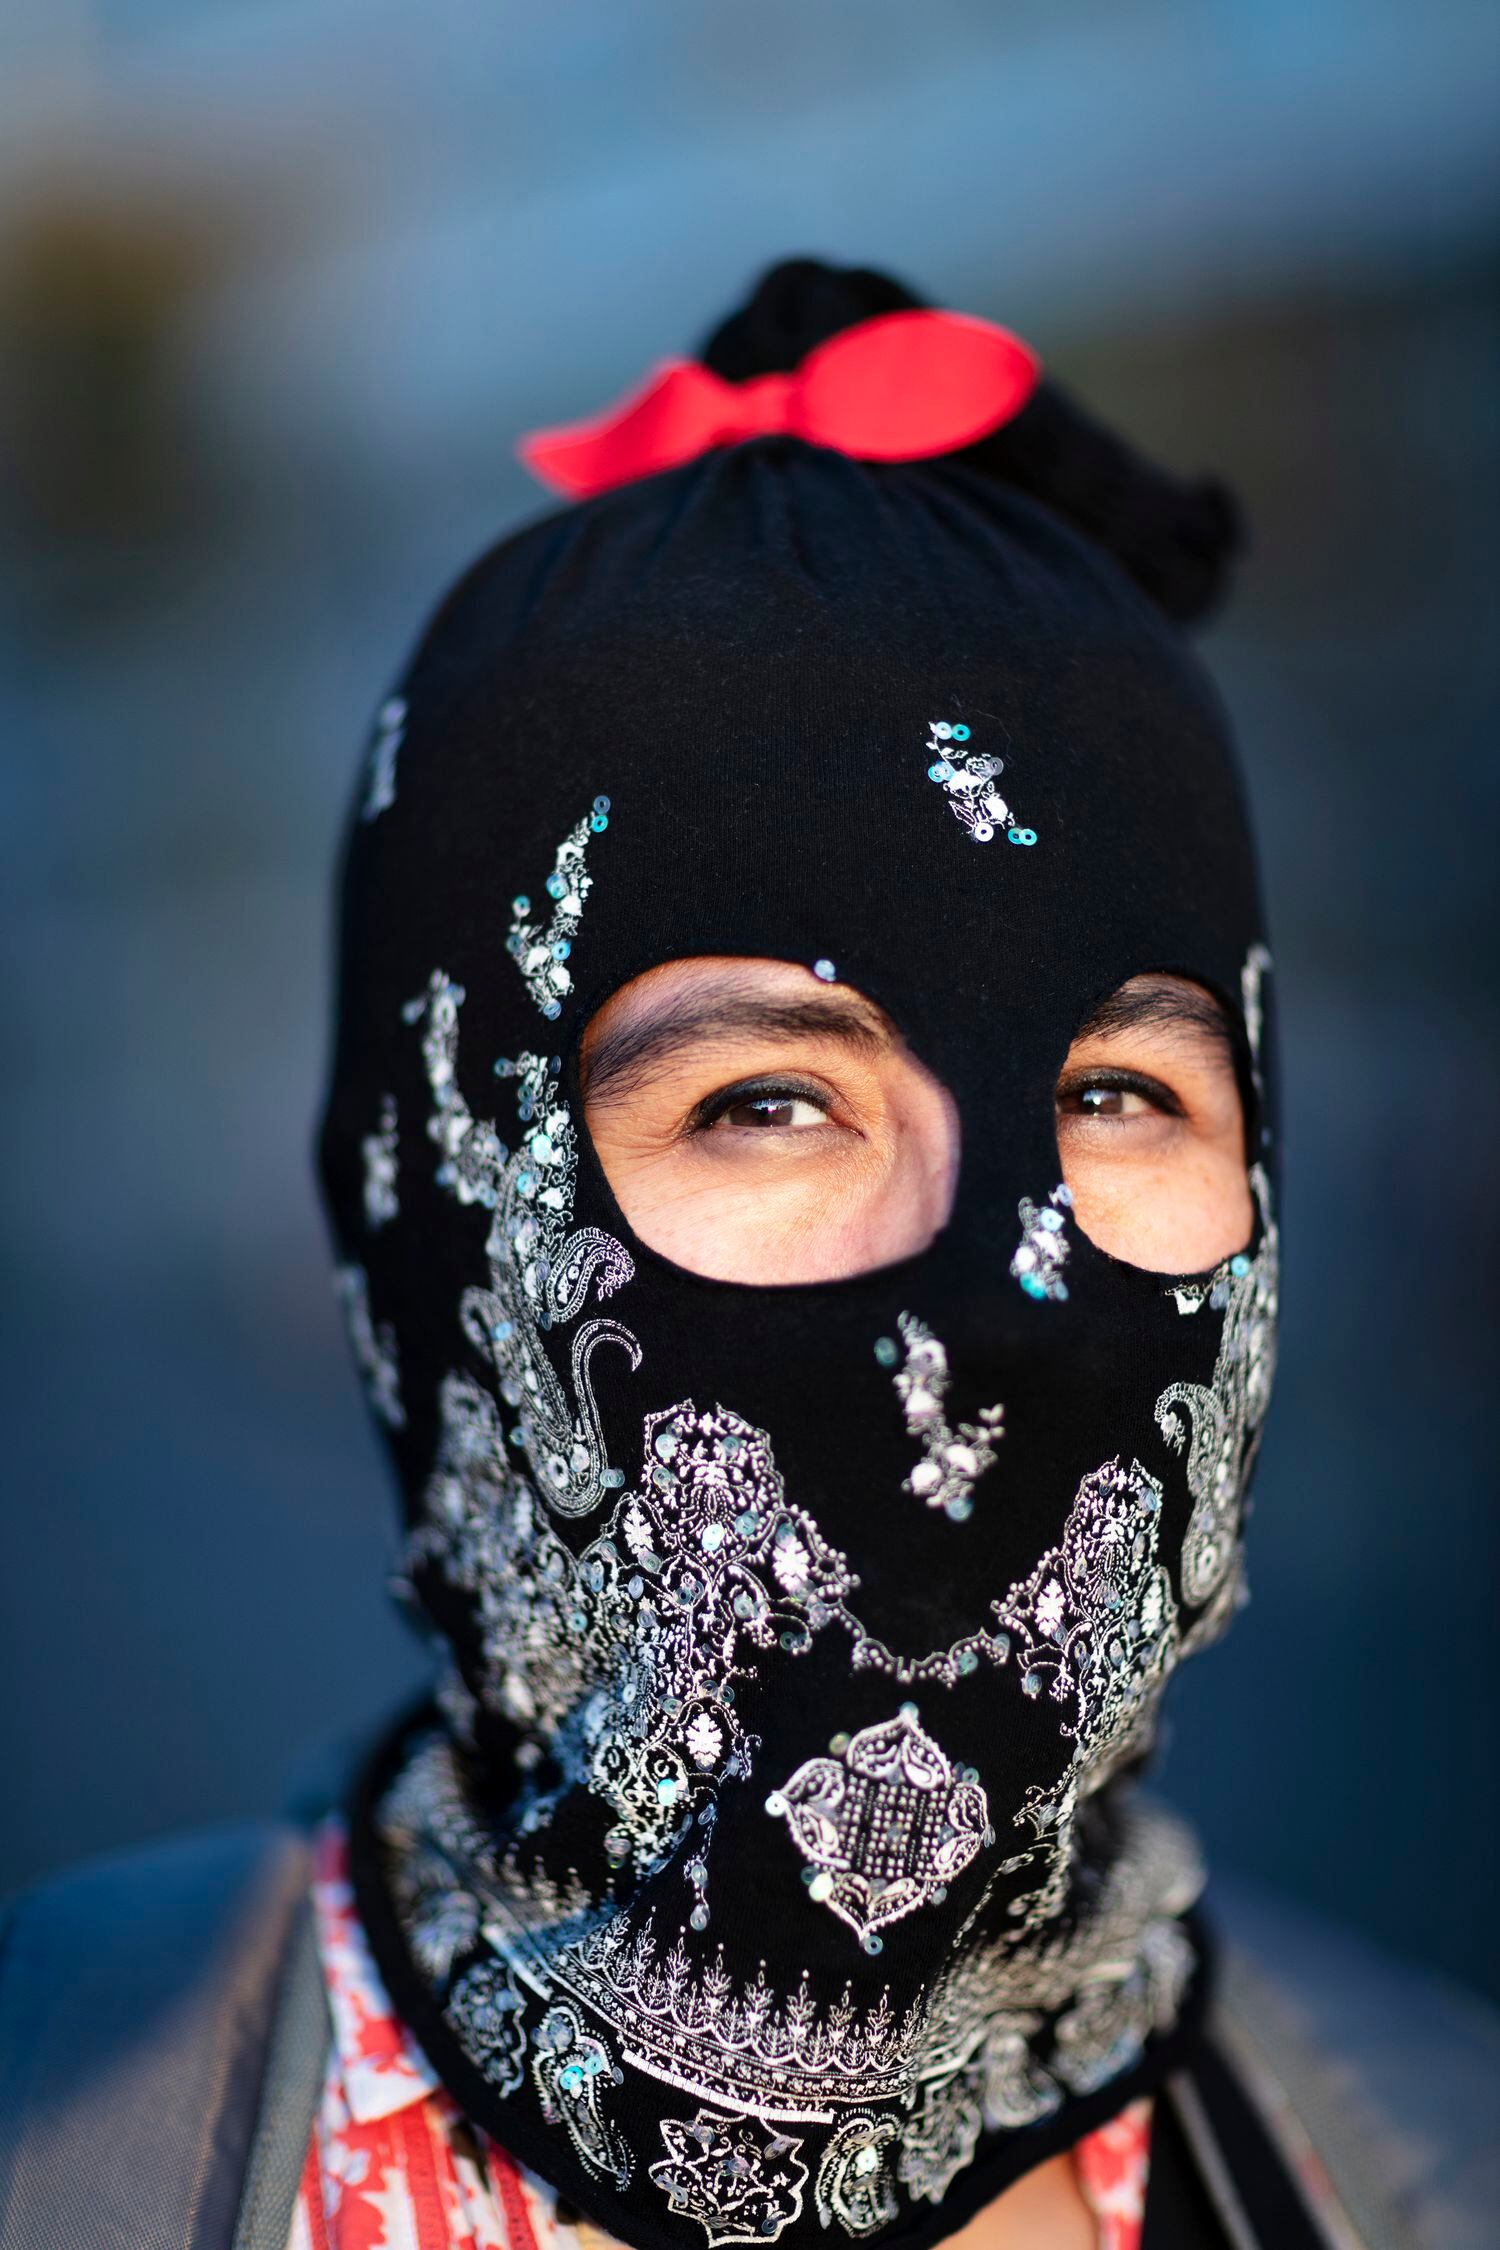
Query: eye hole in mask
[(758, 1127)]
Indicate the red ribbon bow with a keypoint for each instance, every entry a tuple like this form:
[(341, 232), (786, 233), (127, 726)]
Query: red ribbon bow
[(900, 387)]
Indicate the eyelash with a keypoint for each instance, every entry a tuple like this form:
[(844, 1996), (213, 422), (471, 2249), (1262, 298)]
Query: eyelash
[(707, 1113)]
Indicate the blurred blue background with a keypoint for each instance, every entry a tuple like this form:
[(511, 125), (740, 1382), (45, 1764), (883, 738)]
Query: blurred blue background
[(278, 286)]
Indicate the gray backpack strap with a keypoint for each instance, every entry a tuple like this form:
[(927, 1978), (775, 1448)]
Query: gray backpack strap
[(1381, 2083), (289, 2095), (146, 2025)]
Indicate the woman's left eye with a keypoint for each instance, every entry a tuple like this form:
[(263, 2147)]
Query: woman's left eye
[(1117, 1097), (1107, 1101), (779, 1113)]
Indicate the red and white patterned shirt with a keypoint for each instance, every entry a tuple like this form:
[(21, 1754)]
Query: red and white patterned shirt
[(393, 2165)]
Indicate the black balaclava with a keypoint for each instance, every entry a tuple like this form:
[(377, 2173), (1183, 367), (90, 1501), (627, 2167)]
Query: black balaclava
[(768, 1863)]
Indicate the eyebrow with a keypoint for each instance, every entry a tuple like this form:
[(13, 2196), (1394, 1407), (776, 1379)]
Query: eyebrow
[(1159, 1003), (617, 1058)]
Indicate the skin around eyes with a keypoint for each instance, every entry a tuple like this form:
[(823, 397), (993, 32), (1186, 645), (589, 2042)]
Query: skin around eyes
[(757, 1126)]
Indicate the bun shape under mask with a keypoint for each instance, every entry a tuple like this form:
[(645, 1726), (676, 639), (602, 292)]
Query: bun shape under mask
[(769, 1867)]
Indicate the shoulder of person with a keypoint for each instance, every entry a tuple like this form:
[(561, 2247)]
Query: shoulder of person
[(163, 2029), (166, 2005), (1379, 2080)]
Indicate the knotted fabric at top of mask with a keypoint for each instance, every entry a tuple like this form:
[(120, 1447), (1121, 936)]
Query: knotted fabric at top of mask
[(768, 1864)]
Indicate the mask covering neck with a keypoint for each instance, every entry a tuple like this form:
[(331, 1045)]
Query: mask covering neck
[(770, 1861)]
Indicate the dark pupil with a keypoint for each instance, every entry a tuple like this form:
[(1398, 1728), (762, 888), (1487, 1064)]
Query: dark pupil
[(1101, 1100), (771, 1109)]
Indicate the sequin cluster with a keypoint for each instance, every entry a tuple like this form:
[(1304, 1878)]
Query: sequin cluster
[(1043, 1249), (378, 1150), (966, 778), (374, 1346), (542, 953), (952, 1460), (390, 733)]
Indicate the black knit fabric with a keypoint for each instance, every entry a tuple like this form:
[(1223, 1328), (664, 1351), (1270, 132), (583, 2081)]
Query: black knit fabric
[(768, 1865)]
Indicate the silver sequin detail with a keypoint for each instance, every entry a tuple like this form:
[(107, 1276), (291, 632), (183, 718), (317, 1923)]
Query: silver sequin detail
[(390, 732), (1043, 1249), (541, 952), (952, 1460), (379, 1152), (374, 1348), (968, 779)]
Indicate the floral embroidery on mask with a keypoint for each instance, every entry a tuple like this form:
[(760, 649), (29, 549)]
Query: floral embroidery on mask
[(541, 954), (967, 779), (621, 1662), (686, 2024), (741, 2183), (885, 1824), (1043, 1249), (570, 2069), (390, 732), (374, 1348), (1117, 1973), (379, 1152), (952, 1461), (1094, 1627), (1225, 1416), (540, 1274)]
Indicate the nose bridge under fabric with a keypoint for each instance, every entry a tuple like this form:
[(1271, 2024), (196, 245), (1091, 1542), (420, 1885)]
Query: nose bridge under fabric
[(766, 1865)]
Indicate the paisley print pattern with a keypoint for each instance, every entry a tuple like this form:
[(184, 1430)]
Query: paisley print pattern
[(573, 2072), (1111, 1977), (1224, 1417), (540, 1274), (485, 2009), (854, 2183), (1094, 1628)]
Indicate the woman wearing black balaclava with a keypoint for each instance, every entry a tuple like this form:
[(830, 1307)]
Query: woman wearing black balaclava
[(813, 1477), (800, 1143)]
